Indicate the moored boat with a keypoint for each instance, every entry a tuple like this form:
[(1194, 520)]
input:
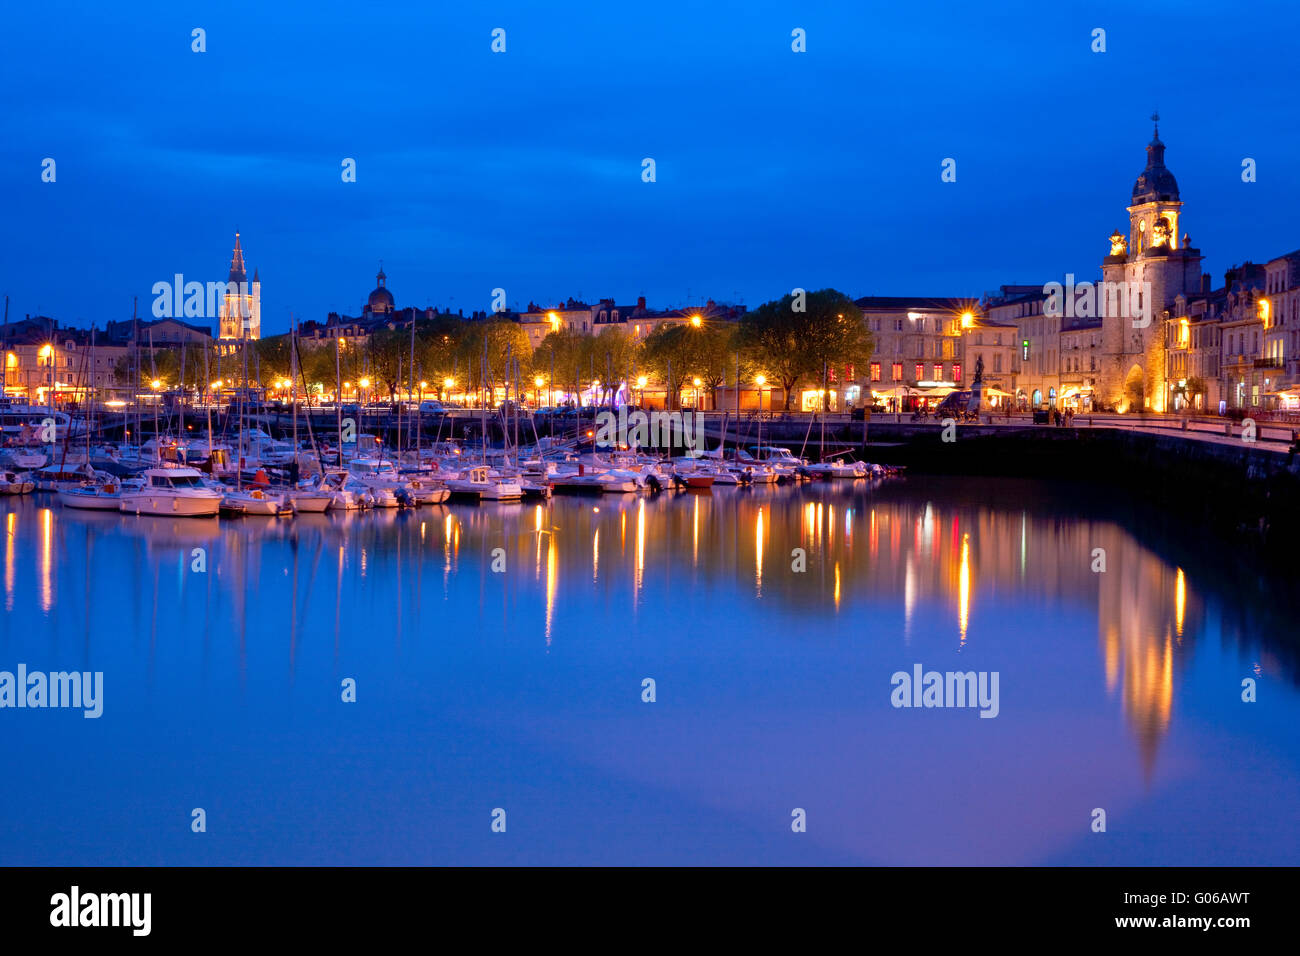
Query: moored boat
[(176, 492)]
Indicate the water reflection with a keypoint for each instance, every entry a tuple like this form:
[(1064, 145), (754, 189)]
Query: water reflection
[(899, 573)]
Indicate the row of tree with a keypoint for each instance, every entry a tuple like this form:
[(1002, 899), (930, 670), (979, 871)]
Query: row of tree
[(790, 341)]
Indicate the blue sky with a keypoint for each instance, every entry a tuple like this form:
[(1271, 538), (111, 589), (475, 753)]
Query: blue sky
[(522, 170)]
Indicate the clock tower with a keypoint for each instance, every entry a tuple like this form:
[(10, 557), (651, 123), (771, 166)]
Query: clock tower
[(1143, 274)]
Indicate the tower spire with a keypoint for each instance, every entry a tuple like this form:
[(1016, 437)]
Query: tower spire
[(237, 271)]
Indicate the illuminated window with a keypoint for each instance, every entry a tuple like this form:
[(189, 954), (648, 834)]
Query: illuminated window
[(920, 371), (956, 372), (897, 371), (875, 371)]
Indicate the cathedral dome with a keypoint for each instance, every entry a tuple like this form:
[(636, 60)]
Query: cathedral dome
[(381, 300), (1156, 184)]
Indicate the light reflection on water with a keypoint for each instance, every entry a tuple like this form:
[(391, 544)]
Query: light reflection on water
[(521, 688)]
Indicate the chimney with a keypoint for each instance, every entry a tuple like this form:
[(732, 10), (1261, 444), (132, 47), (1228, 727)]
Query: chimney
[(1205, 283), (640, 303)]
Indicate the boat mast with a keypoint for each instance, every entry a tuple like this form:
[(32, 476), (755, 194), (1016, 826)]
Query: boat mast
[(483, 377), (822, 415), (338, 392), (90, 402), (206, 381), (293, 384), (243, 395), (180, 426), (4, 347), (153, 368), (410, 387), (135, 343)]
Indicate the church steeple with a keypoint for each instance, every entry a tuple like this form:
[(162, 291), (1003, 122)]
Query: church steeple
[(237, 271)]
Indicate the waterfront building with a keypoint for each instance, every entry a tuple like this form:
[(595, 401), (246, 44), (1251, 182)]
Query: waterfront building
[(45, 364), (919, 350), (638, 320), (1244, 381), (1195, 352), (1036, 378), (994, 344), (1281, 317)]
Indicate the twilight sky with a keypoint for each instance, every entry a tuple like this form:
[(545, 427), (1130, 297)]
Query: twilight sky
[(522, 170)]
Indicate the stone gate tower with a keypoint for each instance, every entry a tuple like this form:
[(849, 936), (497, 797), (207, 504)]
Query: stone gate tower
[(1151, 261)]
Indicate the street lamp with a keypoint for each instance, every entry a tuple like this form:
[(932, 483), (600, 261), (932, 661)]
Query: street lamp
[(641, 383), (697, 383), (696, 321), (760, 381), (537, 388)]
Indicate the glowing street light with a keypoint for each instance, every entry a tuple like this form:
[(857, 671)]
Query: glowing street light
[(156, 384), (696, 321), (967, 320)]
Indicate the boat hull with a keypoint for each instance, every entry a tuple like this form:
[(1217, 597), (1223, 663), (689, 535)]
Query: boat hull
[(89, 502), (152, 503)]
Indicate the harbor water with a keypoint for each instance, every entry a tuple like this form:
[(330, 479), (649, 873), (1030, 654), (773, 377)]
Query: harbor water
[(690, 677)]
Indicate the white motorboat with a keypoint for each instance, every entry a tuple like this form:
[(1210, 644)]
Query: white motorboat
[(254, 501), (335, 484), (28, 423), (382, 480), (174, 492), (837, 469), (787, 466), (309, 500), (25, 459), (477, 483)]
